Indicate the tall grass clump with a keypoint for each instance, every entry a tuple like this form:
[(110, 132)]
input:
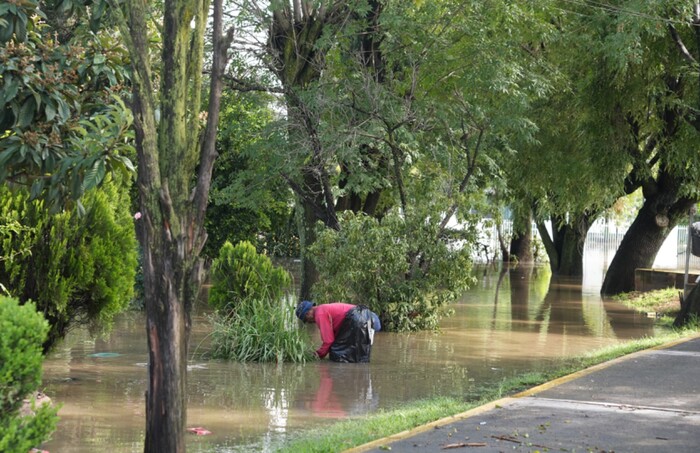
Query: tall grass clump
[(260, 331), (253, 321)]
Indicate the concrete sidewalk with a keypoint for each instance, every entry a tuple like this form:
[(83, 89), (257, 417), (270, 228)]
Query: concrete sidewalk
[(648, 401)]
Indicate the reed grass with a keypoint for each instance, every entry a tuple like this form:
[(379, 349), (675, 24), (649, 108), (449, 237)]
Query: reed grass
[(260, 330)]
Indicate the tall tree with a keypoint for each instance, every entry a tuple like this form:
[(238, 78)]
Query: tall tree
[(631, 89), (297, 52), (392, 114), (655, 87), (176, 153)]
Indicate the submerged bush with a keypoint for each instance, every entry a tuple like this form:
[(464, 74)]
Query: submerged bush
[(253, 322), (240, 272), (397, 267), (22, 332)]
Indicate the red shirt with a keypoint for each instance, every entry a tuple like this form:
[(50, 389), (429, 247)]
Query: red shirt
[(328, 318)]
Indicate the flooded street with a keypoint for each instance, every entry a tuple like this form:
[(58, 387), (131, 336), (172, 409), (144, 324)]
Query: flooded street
[(507, 323)]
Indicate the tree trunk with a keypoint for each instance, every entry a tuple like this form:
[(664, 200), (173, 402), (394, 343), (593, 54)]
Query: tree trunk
[(307, 236), (690, 305), (643, 240), (520, 278), (565, 246), (571, 252), (170, 152), (521, 241), (167, 330)]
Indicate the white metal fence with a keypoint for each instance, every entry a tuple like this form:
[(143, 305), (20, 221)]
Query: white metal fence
[(602, 242)]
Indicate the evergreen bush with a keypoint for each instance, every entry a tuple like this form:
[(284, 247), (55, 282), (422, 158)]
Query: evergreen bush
[(240, 272), (22, 332), (254, 320), (77, 267)]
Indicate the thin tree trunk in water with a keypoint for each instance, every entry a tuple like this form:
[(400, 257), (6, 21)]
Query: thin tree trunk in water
[(571, 252), (520, 278), (307, 236), (549, 246), (565, 247)]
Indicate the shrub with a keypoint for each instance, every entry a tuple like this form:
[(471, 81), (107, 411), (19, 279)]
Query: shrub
[(260, 331), (76, 268), (23, 331), (397, 267), (254, 321), (240, 272)]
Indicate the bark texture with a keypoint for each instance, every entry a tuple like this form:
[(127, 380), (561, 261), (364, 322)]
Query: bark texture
[(297, 60), (521, 241), (690, 306), (171, 150)]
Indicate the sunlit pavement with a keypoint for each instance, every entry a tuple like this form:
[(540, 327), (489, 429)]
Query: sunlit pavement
[(644, 402)]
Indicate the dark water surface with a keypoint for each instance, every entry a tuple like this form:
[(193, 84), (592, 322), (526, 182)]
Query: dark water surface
[(507, 323)]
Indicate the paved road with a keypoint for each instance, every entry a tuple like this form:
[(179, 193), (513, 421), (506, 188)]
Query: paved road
[(644, 402)]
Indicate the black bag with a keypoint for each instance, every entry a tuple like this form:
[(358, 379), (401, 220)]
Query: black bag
[(353, 344)]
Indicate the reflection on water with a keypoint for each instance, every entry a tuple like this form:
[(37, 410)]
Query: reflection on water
[(509, 322)]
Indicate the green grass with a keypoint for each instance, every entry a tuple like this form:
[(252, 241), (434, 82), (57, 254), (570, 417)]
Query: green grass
[(663, 302), (354, 432)]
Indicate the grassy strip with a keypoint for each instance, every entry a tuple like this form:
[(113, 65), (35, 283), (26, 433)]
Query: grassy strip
[(355, 432), (663, 302)]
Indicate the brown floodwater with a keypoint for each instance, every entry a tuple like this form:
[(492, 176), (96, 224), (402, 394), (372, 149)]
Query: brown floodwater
[(507, 323)]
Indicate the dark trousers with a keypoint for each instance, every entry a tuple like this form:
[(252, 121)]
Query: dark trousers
[(353, 343)]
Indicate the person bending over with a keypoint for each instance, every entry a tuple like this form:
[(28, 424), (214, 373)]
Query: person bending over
[(347, 331)]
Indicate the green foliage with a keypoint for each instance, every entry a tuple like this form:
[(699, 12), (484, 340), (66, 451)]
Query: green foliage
[(62, 123), (77, 268), (240, 273), (248, 199), (662, 302), (254, 321), (23, 332), (396, 267), (261, 330), (346, 434)]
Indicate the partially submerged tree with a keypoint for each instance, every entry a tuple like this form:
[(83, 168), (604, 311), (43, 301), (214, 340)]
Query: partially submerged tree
[(297, 44), (632, 94), (175, 140), (379, 118)]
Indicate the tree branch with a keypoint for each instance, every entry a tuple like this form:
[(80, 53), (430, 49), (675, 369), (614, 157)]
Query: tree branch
[(208, 154), (246, 86), (465, 180), (680, 45)]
